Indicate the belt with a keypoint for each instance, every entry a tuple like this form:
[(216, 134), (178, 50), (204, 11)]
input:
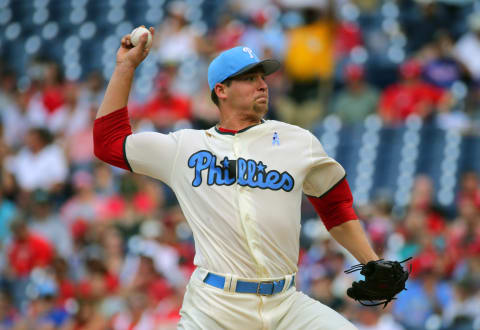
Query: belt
[(265, 288)]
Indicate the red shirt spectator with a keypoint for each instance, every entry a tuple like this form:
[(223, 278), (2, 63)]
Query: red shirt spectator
[(410, 96), (166, 107), (348, 37), (53, 98), (463, 238), (66, 290), (53, 92), (173, 107), (98, 282), (27, 250), (65, 285)]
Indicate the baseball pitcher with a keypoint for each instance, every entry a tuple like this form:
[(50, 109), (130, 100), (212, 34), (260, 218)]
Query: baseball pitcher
[(240, 187)]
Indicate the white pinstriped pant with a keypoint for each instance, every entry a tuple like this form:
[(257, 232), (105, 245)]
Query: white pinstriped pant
[(210, 308)]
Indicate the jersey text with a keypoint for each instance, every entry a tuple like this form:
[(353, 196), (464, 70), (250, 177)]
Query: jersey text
[(248, 173)]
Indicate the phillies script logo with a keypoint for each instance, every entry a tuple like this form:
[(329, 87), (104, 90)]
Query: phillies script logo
[(243, 172)]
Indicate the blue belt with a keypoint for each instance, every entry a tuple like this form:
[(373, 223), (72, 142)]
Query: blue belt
[(264, 288)]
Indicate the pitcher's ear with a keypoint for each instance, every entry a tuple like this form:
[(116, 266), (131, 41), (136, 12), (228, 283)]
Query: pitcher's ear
[(220, 90)]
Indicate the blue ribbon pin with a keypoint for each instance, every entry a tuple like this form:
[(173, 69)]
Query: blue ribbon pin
[(275, 139)]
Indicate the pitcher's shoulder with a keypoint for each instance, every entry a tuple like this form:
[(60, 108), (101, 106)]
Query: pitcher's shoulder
[(191, 132), (280, 125)]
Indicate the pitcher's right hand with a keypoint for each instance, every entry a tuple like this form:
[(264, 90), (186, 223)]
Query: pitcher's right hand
[(132, 56)]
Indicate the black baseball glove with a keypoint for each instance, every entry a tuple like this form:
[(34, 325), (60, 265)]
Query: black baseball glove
[(383, 280)]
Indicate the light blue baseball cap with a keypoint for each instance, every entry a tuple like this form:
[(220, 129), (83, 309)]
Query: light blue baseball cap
[(235, 61)]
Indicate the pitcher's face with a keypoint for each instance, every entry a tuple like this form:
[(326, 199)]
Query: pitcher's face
[(249, 93)]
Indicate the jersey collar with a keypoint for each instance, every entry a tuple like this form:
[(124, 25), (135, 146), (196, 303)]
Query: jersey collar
[(225, 131)]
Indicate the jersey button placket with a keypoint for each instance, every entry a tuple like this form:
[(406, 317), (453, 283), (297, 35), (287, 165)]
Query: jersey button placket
[(245, 213), (236, 153), (242, 202)]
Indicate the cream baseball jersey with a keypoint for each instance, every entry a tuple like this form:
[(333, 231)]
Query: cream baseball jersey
[(240, 192)]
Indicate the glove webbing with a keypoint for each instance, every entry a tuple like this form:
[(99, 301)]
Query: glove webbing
[(385, 302)]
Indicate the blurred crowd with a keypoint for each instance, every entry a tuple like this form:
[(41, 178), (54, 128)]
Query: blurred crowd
[(84, 245)]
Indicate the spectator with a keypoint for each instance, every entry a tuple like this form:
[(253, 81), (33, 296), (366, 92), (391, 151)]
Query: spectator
[(422, 200), (426, 295), (91, 92), (441, 67), (228, 32), (264, 33), (420, 20), (372, 318), (149, 200), (47, 224), (25, 252), (8, 82), (467, 48), (423, 230), (103, 179), (146, 278), (40, 164), (410, 96), (87, 316), (15, 121), (309, 64), (380, 225), (45, 108), (113, 250), (321, 288), (165, 259), (463, 234), (98, 283), (469, 267), (136, 316), (472, 107), (310, 48), (204, 112), (176, 40), (8, 314), (469, 188), (84, 204), (74, 115), (85, 247), (66, 286), (43, 313), (167, 312), (348, 37), (463, 310), (166, 108), (79, 144), (358, 99)]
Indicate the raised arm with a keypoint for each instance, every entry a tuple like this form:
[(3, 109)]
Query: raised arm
[(118, 89), (112, 125)]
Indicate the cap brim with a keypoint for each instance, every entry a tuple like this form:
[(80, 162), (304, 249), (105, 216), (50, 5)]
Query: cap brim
[(268, 66)]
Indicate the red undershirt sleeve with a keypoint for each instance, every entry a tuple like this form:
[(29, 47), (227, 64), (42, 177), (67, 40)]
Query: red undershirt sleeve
[(336, 205), (109, 136)]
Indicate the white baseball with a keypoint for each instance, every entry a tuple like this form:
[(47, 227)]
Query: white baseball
[(137, 33)]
